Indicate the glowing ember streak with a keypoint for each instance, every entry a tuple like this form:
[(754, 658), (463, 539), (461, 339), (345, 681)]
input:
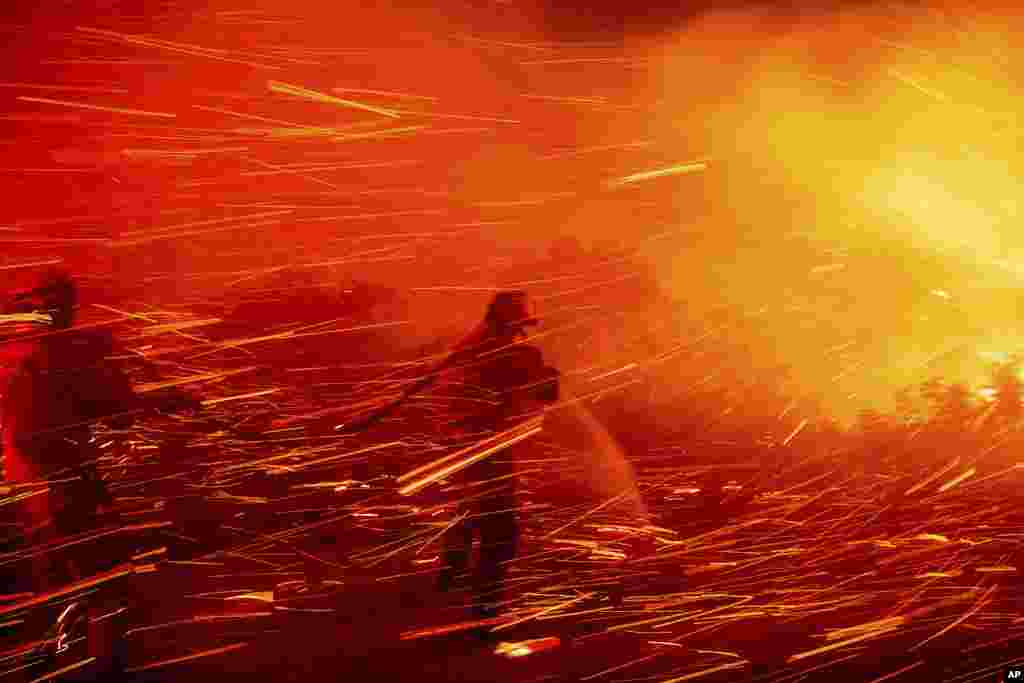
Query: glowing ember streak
[(501, 43), (293, 132), (180, 48), (451, 469), (541, 613), (624, 665), (589, 513), (835, 646), (187, 658), (570, 100), (401, 544), (63, 670), (588, 60), (363, 216), (996, 475), (717, 652), (913, 83), (33, 264), (956, 480), (290, 335), (707, 672), (399, 95), (831, 268), (68, 590), (337, 486), (609, 528), (400, 576), (458, 519), (799, 428), (453, 288), (25, 318), (452, 628), (144, 153), (624, 368), (982, 602), (192, 233), (206, 377), (94, 107), (469, 449), (151, 553), (601, 148), (91, 537), (108, 615), (292, 454), (929, 480), (898, 672), (387, 132), (77, 88), (298, 91), (239, 397), (939, 538), (173, 231), (527, 647), (584, 288), (681, 169), (467, 117), (224, 495), (891, 622), (995, 570), (254, 117), (173, 327), (664, 621), (308, 168)]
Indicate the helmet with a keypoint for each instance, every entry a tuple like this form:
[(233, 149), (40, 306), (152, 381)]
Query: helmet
[(510, 309), (54, 294)]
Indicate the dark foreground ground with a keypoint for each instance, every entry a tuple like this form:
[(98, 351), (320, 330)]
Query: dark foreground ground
[(789, 584)]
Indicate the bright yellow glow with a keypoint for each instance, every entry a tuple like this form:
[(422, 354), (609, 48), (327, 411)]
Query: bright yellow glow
[(871, 133)]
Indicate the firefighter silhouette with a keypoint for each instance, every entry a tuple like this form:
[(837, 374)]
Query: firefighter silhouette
[(513, 379)]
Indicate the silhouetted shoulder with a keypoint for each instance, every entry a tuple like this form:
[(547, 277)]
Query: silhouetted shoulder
[(519, 365), (90, 345), (518, 358)]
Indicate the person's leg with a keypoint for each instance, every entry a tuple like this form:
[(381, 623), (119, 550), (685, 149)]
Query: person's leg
[(498, 545), (109, 617), (86, 508), (458, 546), (48, 569), (76, 517), (103, 613)]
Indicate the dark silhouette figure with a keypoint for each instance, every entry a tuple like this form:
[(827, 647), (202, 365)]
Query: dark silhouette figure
[(56, 383), (513, 378)]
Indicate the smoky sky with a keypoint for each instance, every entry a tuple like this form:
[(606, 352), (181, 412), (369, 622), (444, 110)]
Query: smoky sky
[(612, 21), (849, 151)]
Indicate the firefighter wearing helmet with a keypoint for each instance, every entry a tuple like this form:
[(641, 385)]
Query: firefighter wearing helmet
[(512, 376), (56, 383)]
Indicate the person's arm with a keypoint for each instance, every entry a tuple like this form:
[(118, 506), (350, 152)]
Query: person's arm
[(171, 400), (111, 397), (548, 390), (463, 351)]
